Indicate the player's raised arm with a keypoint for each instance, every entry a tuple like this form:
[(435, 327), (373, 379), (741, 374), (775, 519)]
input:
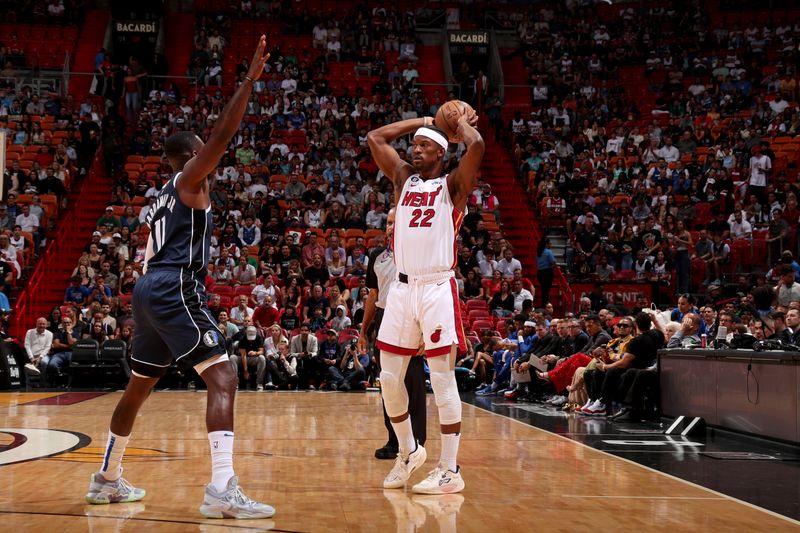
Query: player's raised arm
[(207, 158), (385, 156), (461, 181)]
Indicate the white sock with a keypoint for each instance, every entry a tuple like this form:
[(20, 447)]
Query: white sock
[(450, 450), (112, 458), (221, 443), (405, 436)]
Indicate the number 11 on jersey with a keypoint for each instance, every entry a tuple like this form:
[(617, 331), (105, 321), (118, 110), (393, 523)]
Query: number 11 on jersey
[(159, 230)]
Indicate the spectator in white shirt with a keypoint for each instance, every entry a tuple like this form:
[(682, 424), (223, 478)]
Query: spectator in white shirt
[(778, 105), (760, 165), (27, 221), (241, 311), (376, 218), (508, 264), (487, 264), (520, 294), (38, 342), (669, 152), (289, 85), (740, 228)]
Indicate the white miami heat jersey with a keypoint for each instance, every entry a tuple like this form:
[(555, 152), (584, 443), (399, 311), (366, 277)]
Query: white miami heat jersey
[(425, 228)]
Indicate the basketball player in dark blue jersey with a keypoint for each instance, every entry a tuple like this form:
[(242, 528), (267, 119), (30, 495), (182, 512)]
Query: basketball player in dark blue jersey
[(172, 319)]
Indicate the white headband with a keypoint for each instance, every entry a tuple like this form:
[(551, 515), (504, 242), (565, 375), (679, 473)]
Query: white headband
[(433, 135)]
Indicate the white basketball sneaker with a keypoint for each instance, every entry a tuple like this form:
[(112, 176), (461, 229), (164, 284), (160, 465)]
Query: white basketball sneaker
[(404, 467), (440, 480), (232, 503)]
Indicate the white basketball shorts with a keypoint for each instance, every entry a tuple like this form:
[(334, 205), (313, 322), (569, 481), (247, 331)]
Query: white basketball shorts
[(427, 305)]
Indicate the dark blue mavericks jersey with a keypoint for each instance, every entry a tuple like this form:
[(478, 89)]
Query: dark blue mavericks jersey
[(181, 235)]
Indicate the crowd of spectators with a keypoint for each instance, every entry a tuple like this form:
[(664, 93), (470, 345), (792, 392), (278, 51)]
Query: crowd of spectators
[(669, 156), (51, 143), (297, 202), (298, 205), (601, 360)]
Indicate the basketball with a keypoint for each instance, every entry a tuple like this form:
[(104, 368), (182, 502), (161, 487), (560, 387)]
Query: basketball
[(448, 115)]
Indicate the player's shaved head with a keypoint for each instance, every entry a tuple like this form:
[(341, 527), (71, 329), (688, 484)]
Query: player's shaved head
[(180, 147)]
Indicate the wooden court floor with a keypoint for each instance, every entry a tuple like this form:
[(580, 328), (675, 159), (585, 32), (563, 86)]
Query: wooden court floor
[(310, 455)]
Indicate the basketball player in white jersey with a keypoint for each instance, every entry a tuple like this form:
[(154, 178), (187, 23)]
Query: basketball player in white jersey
[(429, 209)]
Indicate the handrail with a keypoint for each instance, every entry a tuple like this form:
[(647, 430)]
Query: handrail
[(49, 261)]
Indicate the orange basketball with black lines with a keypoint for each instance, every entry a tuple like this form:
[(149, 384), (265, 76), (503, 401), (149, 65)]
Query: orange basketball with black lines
[(448, 115)]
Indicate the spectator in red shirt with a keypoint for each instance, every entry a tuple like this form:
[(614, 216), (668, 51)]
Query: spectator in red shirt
[(266, 314)]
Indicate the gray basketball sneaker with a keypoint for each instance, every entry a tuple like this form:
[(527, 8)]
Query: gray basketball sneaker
[(232, 503), (103, 491)]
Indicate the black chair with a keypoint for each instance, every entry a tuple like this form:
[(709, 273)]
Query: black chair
[(85, 358), (113, 361)]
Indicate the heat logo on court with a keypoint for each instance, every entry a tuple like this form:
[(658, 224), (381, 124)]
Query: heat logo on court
[(18, 445)]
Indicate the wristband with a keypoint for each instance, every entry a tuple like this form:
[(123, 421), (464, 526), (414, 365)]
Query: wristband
[(248, 78)]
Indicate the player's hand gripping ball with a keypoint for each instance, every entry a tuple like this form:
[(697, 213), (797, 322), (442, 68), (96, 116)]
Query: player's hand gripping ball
[(448, 115)]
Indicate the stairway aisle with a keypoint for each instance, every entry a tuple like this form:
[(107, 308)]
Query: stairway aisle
[(517, 98), (86, 205), (179, 38), (431, 71), (518, 218), (90, 40)]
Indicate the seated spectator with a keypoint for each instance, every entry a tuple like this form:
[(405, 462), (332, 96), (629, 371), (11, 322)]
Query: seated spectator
[(266, 314), (38, 342), (244, 273), (76, 293), (349, 371), (502, 302), (61, 351), (304, 348), (508, 264), (251, 357), (603, 383), (241, 311), (688, 336)]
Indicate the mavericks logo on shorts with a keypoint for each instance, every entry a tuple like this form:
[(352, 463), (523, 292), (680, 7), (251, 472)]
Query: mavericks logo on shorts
[(211, 338), (437, 334)]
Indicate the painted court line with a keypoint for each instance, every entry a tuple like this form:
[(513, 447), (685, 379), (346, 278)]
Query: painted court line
[(695, 485), (612, 497)]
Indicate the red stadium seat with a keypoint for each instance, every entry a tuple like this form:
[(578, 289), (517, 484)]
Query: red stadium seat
[(477, 303), (480, 325), (223, 290)]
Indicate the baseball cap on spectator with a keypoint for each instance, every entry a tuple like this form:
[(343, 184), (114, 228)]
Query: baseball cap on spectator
[(332, 332), (110, 208), (530, 324), (117, 236), (712, 288), (97, 234), (251, 333)]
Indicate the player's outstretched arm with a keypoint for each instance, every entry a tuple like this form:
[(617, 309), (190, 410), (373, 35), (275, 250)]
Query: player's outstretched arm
[(201, 165), (461, 181), (385, 156)]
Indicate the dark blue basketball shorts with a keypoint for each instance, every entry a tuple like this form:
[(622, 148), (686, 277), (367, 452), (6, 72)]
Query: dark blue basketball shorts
[(173, 323)]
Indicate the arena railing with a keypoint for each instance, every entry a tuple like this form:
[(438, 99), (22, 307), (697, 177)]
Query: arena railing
[(49, 264)]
